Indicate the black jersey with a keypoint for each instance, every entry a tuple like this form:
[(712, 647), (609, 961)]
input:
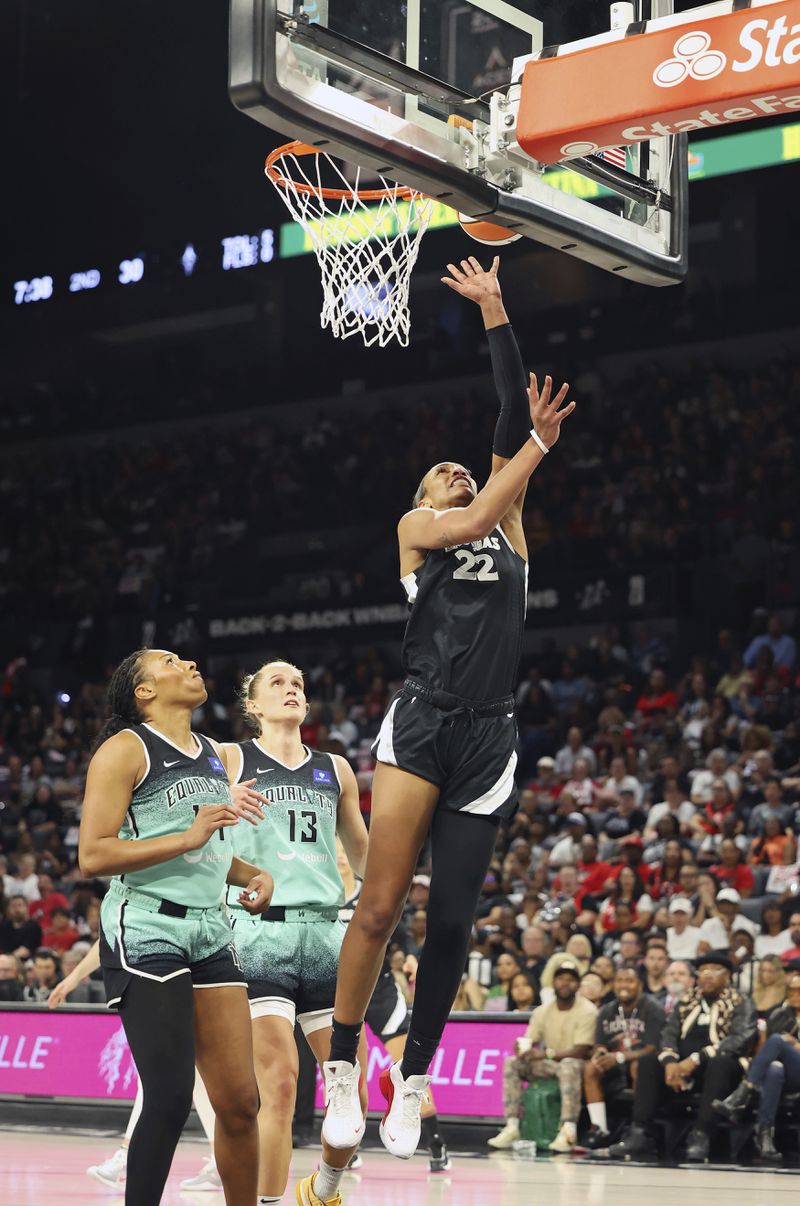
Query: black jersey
[(468, 605)]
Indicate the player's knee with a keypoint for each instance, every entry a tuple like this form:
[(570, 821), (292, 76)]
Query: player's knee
[(282, 1092), (171, 1103), (239, 1112), (378, 920), (448, 932)]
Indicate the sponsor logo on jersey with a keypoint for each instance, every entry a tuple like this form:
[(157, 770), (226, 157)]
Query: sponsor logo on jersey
[(322, 776), (216, 763), (286, 858)]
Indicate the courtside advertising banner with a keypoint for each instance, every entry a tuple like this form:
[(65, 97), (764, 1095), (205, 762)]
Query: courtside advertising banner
[(671, 79), (66, 1054)]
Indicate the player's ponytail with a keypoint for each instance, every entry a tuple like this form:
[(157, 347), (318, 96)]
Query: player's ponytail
[(121, 705)]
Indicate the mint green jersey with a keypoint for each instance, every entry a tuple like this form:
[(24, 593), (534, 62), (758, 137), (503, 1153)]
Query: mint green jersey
[(175, 786), (296, 841)]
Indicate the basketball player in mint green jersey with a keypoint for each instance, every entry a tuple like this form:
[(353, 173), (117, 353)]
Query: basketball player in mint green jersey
[(157, 816), (290, 954)]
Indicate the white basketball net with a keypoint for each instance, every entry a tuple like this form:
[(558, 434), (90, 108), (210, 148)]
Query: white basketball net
[(366, 247)]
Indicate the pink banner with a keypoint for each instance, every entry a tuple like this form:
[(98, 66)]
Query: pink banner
[(65, 1054)]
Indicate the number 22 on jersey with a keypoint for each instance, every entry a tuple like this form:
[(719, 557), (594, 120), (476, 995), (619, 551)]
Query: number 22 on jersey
[(475, 567)]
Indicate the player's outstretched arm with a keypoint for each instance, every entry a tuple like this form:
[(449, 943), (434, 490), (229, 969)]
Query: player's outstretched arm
[(511, 432), (429, 529), (482, 286)]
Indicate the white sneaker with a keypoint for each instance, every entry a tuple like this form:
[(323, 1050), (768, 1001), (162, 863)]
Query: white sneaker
[(506, 1138), (112, 1171), (566, 1138), (400, 1125), (207, 1178), (343, 1124)]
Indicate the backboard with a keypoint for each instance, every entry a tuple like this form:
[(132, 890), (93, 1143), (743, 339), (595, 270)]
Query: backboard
[(425, 93)]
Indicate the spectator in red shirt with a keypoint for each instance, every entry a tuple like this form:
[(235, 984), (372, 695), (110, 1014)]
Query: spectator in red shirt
[(592, 874), (61, 934), (657, 698), (42, 910), (631, 851), (717, 808), (667, 878), (628, 891), (731, 871)]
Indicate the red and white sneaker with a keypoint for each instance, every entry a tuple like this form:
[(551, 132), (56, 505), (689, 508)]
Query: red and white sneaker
[(343, 1124), (400, 1127)]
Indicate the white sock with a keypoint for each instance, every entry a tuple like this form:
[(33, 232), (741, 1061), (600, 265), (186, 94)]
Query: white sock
[(327, 1181), (597, 1114)]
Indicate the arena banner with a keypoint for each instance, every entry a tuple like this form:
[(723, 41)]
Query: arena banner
[(567, 598), (678, 75), (76, 1054), (65, 1053)]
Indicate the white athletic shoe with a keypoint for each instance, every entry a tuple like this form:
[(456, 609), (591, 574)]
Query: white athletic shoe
[(400, 1126), (207, 1178), (566, 1138), (506, 1138), (343, 1124), (112, 1171)]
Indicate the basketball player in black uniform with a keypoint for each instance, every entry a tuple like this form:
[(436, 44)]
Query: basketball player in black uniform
[(446, 748)]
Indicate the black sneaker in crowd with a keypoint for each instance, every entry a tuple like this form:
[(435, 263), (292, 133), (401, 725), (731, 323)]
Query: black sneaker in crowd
[(697, 1146), (637, 1145), (597, 1138)]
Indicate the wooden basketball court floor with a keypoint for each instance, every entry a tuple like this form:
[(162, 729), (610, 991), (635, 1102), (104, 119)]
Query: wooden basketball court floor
[(47, 1169)]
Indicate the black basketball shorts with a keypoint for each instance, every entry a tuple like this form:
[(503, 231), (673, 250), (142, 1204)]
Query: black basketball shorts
[(387, 1013), (468, 749)]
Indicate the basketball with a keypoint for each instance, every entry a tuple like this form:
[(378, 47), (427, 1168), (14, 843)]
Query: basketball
[(488, 233)]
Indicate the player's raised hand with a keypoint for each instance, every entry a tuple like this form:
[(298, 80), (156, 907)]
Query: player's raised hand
[(470, 280), (545, 413), (247, 803)]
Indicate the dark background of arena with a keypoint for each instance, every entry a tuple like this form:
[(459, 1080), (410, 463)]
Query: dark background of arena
[(194, 464)]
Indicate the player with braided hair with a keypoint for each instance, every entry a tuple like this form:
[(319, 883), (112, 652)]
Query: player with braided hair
[(155, 815)]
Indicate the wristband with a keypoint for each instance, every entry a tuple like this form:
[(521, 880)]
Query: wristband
[(537, 439)]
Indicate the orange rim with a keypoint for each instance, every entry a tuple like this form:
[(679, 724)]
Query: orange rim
[(330, 194)]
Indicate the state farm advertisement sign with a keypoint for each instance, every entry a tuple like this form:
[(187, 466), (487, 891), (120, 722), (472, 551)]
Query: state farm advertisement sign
[(672, 79), (66, 1054)]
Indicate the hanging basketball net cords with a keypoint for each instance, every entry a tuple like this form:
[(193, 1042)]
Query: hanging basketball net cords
[(366, 241)]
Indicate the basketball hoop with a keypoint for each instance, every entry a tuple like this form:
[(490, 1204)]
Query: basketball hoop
[(366, 241)]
